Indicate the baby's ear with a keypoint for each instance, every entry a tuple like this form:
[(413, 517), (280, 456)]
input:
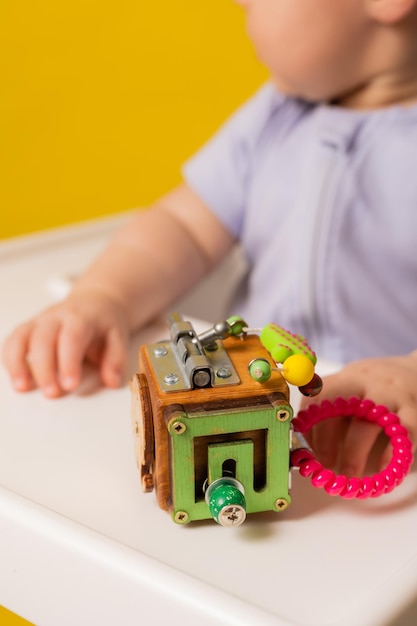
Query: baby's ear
[(390, 11)]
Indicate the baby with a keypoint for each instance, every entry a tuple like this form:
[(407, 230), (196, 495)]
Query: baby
[(315, 178)]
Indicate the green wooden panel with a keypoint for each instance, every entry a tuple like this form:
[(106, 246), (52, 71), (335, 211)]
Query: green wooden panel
[(218, 429)]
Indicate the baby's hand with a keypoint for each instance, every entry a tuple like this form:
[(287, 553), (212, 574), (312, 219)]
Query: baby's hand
[(48, 351), (390, 381)]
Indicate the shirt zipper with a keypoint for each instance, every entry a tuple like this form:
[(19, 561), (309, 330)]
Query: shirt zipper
[(329, 157)]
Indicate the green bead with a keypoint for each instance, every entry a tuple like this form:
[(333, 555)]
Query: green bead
[(260, 370), (237, 324), (226, 500)]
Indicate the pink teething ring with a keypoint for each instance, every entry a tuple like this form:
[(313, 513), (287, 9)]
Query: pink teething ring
[(339, 485)]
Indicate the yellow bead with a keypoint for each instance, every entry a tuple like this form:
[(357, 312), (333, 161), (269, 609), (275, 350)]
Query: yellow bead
[(298, 370)]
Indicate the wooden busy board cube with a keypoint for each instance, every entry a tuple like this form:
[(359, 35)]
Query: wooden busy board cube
[(212, 441)]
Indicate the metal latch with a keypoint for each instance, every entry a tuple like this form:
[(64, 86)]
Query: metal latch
[(191, 361)]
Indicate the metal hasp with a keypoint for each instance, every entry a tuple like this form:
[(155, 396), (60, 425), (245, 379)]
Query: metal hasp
[(219, 447), (185, 363)]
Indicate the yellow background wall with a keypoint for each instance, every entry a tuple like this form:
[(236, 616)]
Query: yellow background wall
[(9, 619), (100, 102)]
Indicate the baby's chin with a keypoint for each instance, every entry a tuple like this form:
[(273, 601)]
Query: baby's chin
[(293, 92)]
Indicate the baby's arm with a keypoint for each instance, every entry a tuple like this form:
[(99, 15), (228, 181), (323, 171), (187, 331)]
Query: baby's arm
[(148, 265), (390, 381)]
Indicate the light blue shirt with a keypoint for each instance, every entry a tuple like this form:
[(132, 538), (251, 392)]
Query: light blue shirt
[(324, 203)]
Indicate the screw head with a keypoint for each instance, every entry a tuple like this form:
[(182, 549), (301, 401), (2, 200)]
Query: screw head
[(181, 517), (281, 504), (178, 428), (283, 415), (224, 372), (171, 379), (233, 515), (160, 351)]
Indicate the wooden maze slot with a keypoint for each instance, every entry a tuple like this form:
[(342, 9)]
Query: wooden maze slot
[(229, 468), (259, 439)]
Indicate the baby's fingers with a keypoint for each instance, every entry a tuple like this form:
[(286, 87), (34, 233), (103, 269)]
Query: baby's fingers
[(75, 337), (114, 358), (14, 355), (325, 439), (42, 356), (359, 440)]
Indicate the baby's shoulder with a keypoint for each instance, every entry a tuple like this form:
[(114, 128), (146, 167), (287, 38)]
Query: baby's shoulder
[(264, 113), (387, 157), (393, 131)]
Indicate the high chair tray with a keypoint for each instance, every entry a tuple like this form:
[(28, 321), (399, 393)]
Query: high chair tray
[(80, 543)]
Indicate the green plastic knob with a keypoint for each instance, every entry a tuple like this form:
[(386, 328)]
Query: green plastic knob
[(226, 500), (237, 324), (260, 370)]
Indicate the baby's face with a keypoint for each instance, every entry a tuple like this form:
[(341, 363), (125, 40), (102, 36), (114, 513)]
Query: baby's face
[(314, 49)]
